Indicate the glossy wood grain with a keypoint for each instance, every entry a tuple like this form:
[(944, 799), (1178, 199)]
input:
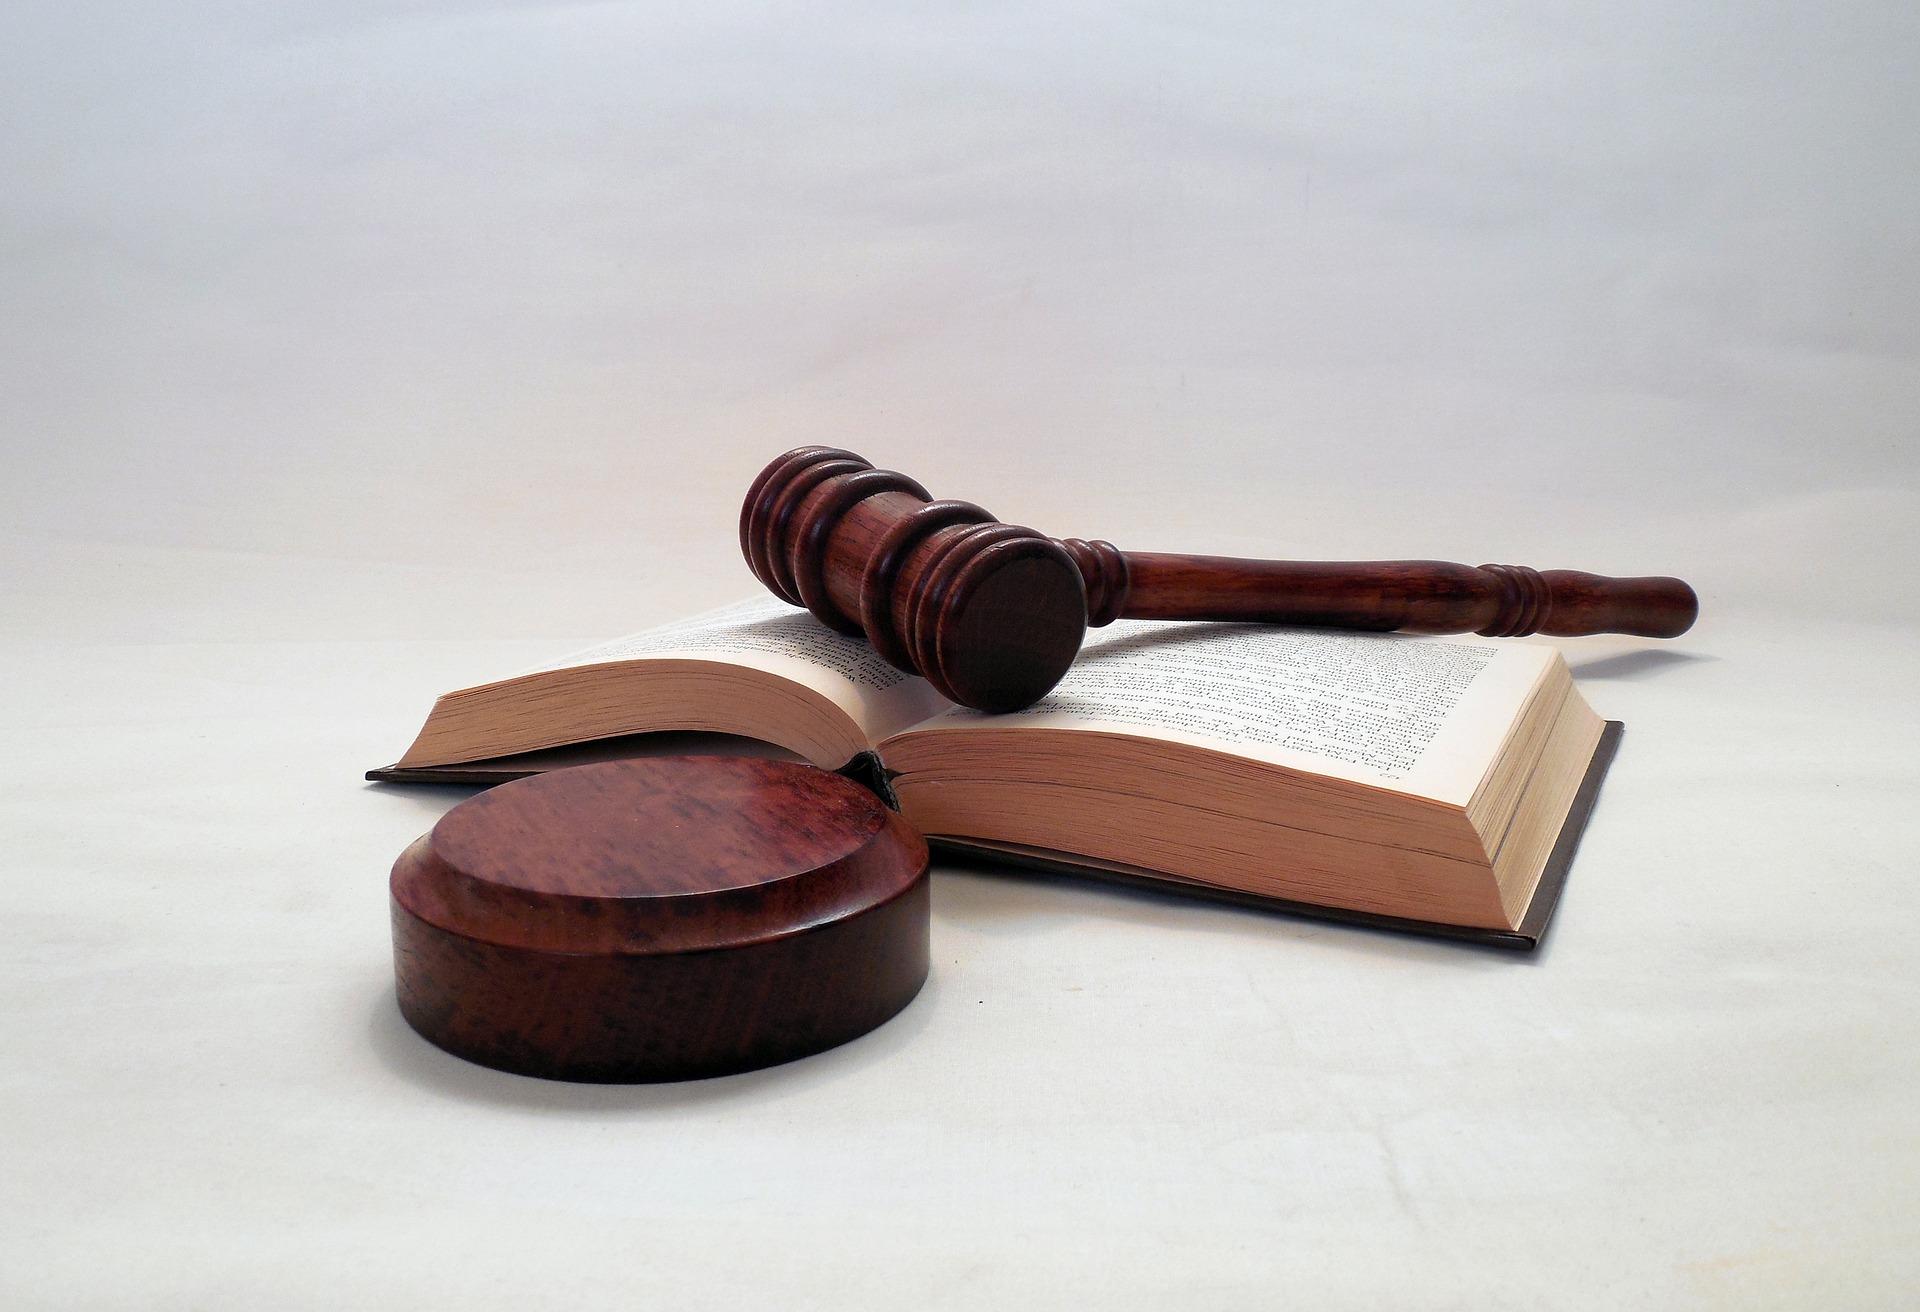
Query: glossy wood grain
[(993, 614), (657, 919), (1411, 596)]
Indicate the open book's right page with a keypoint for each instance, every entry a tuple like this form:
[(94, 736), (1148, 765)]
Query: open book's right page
[(1418, 715)]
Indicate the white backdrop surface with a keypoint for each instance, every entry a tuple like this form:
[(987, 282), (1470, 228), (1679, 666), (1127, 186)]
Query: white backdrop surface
[(350, 352)]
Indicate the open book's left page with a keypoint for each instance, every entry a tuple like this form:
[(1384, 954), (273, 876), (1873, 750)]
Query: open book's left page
[(753, 668), (764, 633)]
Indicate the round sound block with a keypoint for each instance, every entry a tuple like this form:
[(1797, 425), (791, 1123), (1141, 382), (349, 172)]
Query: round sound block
[(659, 919)]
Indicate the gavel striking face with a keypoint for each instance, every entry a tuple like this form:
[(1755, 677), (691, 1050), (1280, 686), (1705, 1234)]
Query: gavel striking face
[(992, 614)]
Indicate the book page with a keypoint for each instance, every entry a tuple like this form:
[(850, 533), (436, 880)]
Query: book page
[(1417, 715), (764, 633)]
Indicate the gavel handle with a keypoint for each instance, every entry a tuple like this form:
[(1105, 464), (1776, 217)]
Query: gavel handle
[(1414, 596)]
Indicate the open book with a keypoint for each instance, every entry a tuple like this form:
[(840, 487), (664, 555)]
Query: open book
[(1426, 783)]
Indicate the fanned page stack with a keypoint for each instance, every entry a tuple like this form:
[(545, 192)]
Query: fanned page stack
[(1435, 784)]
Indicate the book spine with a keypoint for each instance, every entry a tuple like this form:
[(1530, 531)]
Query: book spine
[(870, 772)]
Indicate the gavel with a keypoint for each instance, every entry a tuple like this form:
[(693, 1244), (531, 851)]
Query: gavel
[(992, 614)]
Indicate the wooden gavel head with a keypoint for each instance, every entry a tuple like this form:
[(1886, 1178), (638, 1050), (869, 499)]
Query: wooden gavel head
[(992, 614)]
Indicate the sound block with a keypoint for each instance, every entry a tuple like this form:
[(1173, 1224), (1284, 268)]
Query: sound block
[(659, 919)]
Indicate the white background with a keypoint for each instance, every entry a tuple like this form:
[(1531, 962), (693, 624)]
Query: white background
[(353, 352)]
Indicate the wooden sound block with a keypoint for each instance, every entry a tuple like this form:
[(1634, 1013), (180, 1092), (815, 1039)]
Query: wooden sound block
[(660, 919)]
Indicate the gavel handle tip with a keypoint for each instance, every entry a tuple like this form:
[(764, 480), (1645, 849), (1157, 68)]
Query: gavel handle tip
[(1652, 607)]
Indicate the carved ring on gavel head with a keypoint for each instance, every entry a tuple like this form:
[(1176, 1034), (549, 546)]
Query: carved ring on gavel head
[(993, 614)]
